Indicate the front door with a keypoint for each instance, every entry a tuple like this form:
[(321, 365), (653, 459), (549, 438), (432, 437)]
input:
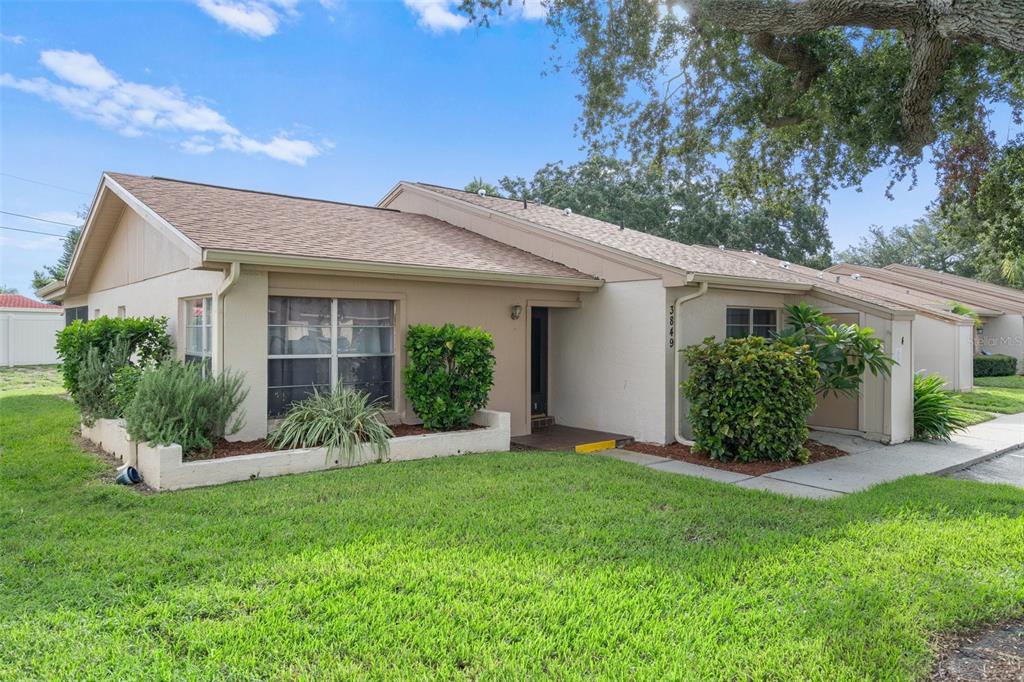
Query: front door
[(539, 361)]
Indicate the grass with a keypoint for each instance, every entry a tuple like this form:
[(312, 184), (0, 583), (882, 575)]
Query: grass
[(508, 565), (1016, 381), (1003, 395), (38, 379)]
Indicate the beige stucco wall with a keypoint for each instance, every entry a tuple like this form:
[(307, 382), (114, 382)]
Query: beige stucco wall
[(945, 349), (1005, 335), (607, 361), (885, 405), (575, 254), (137, 251), (434, 303)]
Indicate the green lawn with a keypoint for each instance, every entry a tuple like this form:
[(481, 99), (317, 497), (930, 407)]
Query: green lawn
[(511, 565), (39, 379), (993, 395)]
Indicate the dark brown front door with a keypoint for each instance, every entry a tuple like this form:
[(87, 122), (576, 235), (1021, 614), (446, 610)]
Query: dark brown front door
[(539, 360)]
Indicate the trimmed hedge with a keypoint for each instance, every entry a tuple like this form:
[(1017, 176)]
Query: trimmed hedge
[(449, 374), (145, 338), (994, 365), (750, 398)]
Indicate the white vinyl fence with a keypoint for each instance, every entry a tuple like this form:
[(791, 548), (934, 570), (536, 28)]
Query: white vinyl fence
[(27, 337)]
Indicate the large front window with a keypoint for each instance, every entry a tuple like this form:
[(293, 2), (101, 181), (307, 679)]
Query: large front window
[(199, 332), (316, 343), (741, 322)]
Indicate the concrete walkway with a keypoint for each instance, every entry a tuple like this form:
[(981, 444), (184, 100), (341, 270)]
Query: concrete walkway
[(868, 464)]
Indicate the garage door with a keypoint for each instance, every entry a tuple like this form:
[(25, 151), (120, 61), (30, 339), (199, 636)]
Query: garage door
[(838, 412)]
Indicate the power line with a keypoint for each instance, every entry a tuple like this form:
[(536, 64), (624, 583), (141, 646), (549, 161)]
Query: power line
[(45, 184), (42, 220), (19, 229)]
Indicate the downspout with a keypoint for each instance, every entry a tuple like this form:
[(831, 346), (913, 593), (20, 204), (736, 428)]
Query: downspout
[(676, 392), (230, 279)]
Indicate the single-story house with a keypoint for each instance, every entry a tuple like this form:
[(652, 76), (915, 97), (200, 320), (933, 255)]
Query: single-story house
[(587, 316), (1001, 309), (27, 329)]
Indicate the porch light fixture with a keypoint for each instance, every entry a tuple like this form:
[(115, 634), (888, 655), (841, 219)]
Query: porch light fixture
[(517, 310)]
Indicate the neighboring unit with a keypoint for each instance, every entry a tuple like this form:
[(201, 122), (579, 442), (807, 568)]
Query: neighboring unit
[(28, 331), (587, 317), (1001, 309)]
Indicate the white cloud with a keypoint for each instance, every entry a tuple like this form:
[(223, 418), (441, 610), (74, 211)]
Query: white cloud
[(443, 15), (78, 68), (437, 15), (16, 40), (93, 92), (254, 18)]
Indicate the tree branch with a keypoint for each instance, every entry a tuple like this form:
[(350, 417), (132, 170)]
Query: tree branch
[(795, 57), (929, 55)]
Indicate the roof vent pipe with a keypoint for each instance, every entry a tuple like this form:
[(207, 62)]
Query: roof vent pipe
[(855, 276), (837, 279), (721, 247), (784, 264), (567, 211), (481, 192)]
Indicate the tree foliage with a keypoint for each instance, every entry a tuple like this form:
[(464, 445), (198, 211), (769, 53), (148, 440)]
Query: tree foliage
[(776, 98), (841, 352), (921, 243), (477, 184), (664, 203), (59, 270)]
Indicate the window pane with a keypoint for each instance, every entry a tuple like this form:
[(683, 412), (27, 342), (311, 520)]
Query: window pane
[(738, 316), (209, 340), (194, 312), (764, 318), (194, 340), (298, 340), (279, 400), (736, 331), (208, 319), (365, 313), (366, 340), (372, 375), (299, 372), (766, 332), (287, 310)]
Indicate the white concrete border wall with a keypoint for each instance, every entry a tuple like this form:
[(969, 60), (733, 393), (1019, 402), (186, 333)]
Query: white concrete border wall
[(162, 467), (29, 337)]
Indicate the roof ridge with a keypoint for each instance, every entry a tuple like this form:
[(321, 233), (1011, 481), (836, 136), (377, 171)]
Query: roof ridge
[(253, 191)]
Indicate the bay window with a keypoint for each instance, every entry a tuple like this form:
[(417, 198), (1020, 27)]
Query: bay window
[(317, 343), (199, 332), (741, 322)]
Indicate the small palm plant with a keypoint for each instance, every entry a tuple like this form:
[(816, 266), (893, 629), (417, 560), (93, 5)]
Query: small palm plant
[(936, 416), (340, 421)]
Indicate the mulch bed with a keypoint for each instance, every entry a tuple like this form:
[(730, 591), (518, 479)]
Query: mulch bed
[(224, 448), (418, 430), (819, 453), (992, 654)]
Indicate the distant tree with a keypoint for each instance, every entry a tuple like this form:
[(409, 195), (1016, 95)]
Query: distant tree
[(477, 184), (59, 270), (989, 217), (8, 290), (920, 243), (664, 203)]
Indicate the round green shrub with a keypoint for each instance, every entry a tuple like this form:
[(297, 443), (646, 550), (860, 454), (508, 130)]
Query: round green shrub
[(750, 398), (449, 374)]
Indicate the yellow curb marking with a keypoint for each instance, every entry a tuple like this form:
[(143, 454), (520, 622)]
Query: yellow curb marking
[(583, 448)]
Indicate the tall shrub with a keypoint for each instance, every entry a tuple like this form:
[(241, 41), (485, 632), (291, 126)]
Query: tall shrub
[(95, 395), (176, 403), (750, 398), (449, 373), (842, 352), (146, 339)]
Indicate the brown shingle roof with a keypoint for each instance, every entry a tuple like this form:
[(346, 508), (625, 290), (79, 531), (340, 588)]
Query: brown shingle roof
[(695, 259), (244, 220), (950, 279)]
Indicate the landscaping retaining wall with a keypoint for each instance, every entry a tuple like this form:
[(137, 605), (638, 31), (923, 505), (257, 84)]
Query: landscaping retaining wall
[(111, 437), (162, 467)]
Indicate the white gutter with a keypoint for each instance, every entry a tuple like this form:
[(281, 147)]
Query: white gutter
[(676, 391), (230, 279)]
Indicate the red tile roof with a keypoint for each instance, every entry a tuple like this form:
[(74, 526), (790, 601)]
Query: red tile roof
[(19, 301)]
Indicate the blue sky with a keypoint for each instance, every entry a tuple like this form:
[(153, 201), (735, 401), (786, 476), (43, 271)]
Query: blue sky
[(333, 99)]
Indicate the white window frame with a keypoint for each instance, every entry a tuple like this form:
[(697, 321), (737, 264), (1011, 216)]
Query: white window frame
[(750, 319), (334, 354), (205, 356)]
